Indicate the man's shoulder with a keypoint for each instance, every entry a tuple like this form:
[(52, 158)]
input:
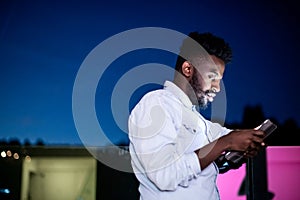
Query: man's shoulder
[(159, 95), (160, 98)]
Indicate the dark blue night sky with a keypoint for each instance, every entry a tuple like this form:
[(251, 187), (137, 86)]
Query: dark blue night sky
[(43, 44)]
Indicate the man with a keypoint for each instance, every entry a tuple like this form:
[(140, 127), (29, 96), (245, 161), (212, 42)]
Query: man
[(173, 147)]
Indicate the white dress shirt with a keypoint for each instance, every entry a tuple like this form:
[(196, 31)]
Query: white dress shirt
[(164, 131)]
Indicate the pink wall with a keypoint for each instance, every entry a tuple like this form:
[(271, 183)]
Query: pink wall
[(283, 165)]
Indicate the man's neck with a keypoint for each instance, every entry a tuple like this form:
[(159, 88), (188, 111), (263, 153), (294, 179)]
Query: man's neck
[(186, 87)]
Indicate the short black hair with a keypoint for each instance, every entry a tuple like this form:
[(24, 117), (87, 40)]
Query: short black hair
[(214, 45)]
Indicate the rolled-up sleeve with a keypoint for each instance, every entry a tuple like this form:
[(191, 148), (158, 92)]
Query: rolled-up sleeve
[(216, 130)]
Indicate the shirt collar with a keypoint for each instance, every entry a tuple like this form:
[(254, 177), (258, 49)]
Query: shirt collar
[(176, 91)]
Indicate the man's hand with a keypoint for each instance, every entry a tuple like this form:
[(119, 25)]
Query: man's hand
[(248, 141), (242, 143)]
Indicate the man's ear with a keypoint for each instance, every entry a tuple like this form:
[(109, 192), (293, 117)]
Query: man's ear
[(187, 69)]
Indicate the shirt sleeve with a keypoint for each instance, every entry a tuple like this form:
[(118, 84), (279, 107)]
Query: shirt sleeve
[(216, 130), (153, 136)]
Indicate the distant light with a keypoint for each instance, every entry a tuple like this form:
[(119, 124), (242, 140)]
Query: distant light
[(16, 156), (27, 158), (4, 190), (8, 153), (3, 154)]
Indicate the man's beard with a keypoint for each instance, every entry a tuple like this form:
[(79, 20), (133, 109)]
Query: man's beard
[(199, 93)]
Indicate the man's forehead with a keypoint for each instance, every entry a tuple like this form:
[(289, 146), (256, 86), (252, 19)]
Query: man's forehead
[(209, 63)]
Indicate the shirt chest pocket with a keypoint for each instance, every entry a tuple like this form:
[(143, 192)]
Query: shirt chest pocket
[(190, 135)]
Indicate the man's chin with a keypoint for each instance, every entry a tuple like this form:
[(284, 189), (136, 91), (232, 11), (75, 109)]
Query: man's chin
[(203, 103)]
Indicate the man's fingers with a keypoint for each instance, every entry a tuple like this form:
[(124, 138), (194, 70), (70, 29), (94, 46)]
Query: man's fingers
[(259, 133)]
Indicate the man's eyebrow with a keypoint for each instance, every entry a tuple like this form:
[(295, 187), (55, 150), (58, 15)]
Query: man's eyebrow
[(216, 73)]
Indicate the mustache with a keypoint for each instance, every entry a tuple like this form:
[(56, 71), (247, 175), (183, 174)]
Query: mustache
[(209, 92)]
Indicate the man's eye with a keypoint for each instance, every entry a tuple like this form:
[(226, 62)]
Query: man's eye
[(212, 77)]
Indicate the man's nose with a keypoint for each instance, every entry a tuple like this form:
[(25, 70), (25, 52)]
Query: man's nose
[(216, 86)]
